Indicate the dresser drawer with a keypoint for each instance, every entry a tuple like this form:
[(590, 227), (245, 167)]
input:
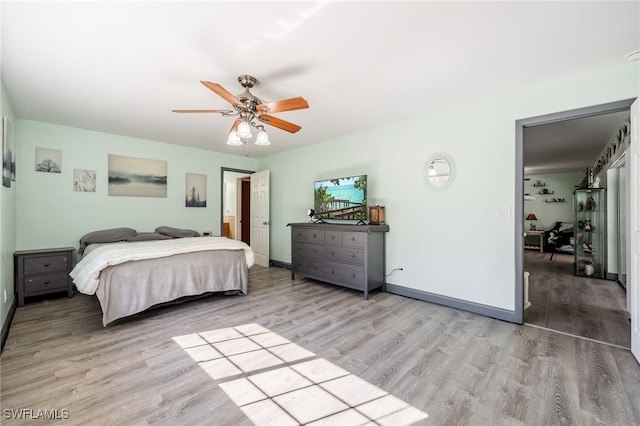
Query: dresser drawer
[(353, 239), (45, 264), (333, 237), (308, 266), (307, 249), (307, 235), (344, 254), (350, 275), (48, 283)]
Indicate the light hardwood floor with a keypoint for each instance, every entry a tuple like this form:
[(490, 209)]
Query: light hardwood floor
[(459, 368), (582, 306)]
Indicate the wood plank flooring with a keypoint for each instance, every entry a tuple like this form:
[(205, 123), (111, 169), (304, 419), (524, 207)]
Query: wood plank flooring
[(458, 367), (582, 306)]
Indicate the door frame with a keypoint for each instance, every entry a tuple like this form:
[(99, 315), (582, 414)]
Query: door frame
[(222, 192), (519, 176)]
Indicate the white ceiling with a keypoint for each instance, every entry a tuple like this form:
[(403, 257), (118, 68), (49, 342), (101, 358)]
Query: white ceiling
[(121, 67)]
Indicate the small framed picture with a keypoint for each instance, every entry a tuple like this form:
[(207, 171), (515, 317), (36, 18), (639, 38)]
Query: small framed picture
[(48, 160)]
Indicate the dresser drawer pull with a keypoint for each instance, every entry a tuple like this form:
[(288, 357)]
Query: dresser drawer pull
[(353, 255), (353, 275), (46, 264), (353, 238), (46, 282), (333, 253), (333, 237)]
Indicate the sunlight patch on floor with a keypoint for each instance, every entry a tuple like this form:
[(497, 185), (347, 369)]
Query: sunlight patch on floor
[(274, 381)]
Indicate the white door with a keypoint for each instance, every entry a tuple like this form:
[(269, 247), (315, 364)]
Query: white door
[(260, 217), (633, 282)]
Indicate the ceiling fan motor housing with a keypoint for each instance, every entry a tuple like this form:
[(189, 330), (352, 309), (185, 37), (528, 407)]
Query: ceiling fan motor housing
[(247, 98)]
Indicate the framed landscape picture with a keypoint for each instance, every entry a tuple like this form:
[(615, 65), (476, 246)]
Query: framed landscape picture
[(6, 152), (195, 190), (48, 160), (137, 177)]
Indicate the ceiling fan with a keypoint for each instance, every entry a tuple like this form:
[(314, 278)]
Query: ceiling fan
[(248, 109)]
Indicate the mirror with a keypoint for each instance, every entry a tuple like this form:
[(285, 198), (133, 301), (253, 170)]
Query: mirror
[(439, 171)]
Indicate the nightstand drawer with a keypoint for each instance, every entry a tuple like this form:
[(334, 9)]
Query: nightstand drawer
[(49, 282), (45, 264)]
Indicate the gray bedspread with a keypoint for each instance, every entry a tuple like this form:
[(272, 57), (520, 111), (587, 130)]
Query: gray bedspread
[(134, 286)]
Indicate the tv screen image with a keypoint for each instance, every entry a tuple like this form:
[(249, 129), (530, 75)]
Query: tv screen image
[(342, 198)]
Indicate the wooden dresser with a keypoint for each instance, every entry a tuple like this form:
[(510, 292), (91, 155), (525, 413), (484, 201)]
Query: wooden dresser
[(45, 271), (351, 256)]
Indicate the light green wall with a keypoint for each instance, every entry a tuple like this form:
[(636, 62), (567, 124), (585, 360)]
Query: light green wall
[(562, 184), (451, 243), (7, 223), (52, 214)]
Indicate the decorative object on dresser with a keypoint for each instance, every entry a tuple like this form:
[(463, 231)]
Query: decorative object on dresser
[(376, 215), (351, 256), (44, 271)]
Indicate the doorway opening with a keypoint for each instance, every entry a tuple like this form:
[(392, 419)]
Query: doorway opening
[(235, 204), (521, 191)]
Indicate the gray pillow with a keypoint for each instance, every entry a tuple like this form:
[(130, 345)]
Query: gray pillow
[(177, 232), (149, 236), (106, 236)]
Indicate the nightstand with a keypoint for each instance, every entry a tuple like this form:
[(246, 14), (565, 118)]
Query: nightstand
[(540, 240), (45, 271)]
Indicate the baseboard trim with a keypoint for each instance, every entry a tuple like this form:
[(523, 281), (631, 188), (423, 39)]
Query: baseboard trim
[(7, 324), (279, 264), (476, 308)]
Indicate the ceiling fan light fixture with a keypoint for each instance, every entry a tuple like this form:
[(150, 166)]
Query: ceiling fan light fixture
[(262, 139), (244, 130), (234, 139)]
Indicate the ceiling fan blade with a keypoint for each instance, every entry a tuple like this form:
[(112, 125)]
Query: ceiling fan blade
[(283, 105), (222, 92), (280, 124), (222, 111)]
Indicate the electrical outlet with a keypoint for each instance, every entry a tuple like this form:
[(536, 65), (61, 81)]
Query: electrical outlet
[(397, 270)]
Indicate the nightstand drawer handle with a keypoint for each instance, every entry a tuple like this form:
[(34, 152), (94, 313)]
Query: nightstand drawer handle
[(46, 264), (46, 282)]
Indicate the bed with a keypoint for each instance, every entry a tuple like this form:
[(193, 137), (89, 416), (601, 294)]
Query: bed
[(560, 238), (130, 272)]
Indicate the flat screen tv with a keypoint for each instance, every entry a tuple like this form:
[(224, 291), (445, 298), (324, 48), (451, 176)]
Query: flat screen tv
[(341, 198)]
